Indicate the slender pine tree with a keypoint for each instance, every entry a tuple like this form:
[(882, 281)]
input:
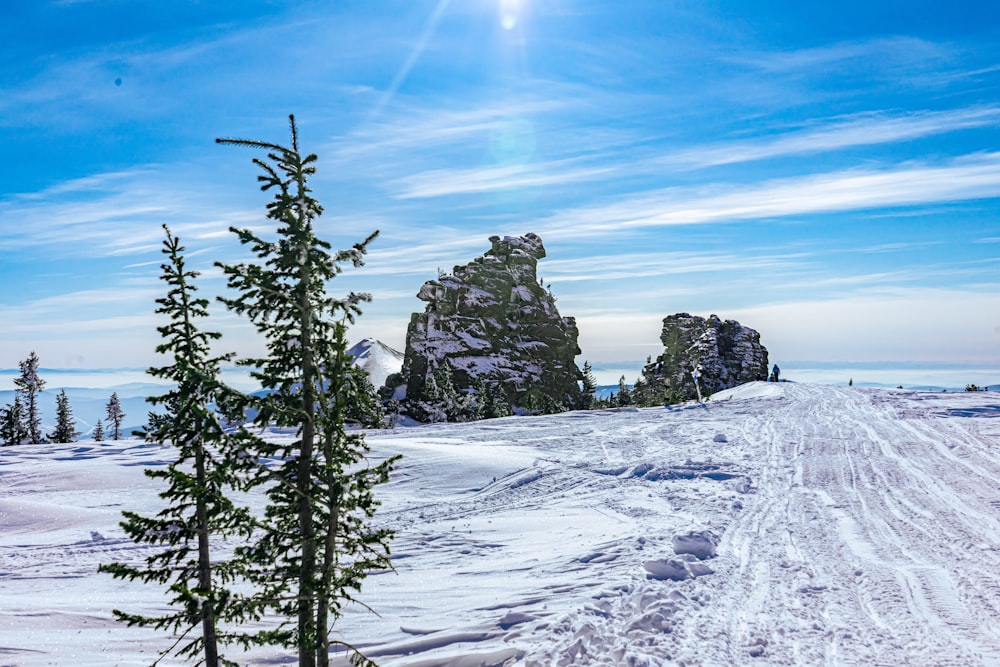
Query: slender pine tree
[(447, 399), (429, 408), (500, 406), (28, 386), (441, 401), (199, 510), (115, 415), (319, 543), (65, 424), (624, 393), (366, 409), (491, 401), (481, 399), (99, 431), (589, 388), (12, 429)]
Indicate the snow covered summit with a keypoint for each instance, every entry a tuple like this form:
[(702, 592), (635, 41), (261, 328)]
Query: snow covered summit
[(377, 359)]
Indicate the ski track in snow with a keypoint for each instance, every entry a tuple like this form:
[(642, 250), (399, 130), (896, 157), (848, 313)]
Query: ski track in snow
[(854, 526)]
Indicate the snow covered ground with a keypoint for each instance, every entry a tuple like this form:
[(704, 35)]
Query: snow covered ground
[(849, 527)]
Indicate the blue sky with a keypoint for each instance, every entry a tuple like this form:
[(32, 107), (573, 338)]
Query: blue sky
[(827, 173)]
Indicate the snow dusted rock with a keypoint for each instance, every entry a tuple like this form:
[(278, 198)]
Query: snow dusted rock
[(676, 569), (701, 544), (698, 569), (724, 353), (672, 570), (377, 359), (491, 321), (757, 648)]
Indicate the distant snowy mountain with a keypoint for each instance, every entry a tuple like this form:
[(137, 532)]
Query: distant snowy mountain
[(377, 359)]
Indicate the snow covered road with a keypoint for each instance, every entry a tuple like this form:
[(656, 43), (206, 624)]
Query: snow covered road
[(874, 537), (849, 527)]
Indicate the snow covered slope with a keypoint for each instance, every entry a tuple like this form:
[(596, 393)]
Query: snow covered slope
[(849, 527), (378, 359)]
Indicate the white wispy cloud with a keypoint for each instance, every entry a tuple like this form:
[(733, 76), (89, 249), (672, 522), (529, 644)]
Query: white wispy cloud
[(863, 280), (646, 265), (968, 177), (94, 299), (116, 214), (881, 52), (415, 140), (417, 125), (192, 74), (884, 324), (443, 250), (897, 247), (77, 89), (441, 182), (864, 130)]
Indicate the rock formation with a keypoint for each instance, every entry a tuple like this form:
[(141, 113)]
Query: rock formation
[(489, 326), (724, 353)]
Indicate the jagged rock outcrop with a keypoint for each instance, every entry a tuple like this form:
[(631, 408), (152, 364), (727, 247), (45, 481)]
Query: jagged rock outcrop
[(489, 326), (725, 354)]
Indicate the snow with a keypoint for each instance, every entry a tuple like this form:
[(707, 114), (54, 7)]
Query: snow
[(750, 390), (827, 526), (522, 293), (377, 359)]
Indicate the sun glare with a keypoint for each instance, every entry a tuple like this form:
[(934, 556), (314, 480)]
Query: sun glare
[(509, 11)]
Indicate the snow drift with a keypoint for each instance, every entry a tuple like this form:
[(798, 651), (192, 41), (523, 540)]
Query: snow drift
[(777, 525)]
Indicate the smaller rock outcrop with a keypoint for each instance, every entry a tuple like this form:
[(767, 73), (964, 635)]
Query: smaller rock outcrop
[(723, 354), (489, 329)]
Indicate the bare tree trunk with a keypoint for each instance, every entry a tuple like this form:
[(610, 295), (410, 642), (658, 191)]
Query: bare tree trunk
[(205, 569), (307, 572), (329, 564)]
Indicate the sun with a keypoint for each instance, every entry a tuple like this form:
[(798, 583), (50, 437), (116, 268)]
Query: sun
[(510, 11)]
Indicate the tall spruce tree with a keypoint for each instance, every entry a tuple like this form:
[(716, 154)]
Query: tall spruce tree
[(115, 415), (443, 401), (65, 425), (12, 429), (319, 543), (481, 399), (366, 409), (499, 405), (491, 401), (199, 510), (624, 393), (589, 387), (28, 386)]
